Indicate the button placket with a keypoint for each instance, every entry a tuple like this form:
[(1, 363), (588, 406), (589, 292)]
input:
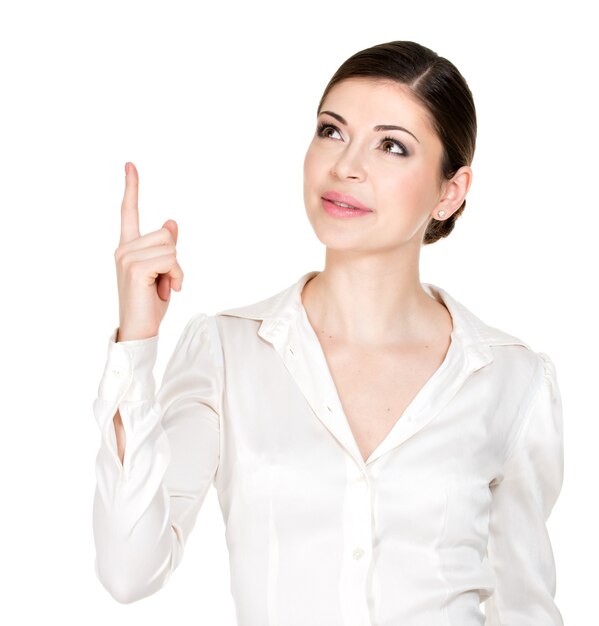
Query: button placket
[(361, 477), (357, 541), (360, 511)]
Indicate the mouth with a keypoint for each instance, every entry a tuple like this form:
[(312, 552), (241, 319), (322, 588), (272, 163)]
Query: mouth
[(344, 201)]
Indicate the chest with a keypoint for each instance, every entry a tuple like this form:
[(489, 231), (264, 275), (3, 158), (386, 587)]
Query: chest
[(376, 388)]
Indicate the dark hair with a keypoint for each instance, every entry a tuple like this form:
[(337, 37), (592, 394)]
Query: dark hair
[(438, 85)]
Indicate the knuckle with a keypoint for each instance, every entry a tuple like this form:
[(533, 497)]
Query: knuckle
[(121, 255), (167, 236), (135, 271)]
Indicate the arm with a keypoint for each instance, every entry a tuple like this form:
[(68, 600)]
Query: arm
[(146, 506), (519, 546)]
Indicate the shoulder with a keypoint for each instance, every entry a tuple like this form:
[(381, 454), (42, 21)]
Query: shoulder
[(200, 329), (515, 354), (281, 305), (257, 310), (512, 357), (517, 376)]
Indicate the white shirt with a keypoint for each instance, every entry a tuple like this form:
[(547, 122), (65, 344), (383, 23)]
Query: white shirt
[(447, 512)]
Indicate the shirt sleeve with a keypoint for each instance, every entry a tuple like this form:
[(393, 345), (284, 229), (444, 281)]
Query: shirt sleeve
[(145, 508), (519, 546)]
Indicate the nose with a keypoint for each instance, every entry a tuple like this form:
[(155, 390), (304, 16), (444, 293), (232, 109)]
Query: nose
[(349, 164)]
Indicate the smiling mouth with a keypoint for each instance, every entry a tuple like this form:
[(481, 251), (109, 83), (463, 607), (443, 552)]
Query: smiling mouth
[(345, 205)]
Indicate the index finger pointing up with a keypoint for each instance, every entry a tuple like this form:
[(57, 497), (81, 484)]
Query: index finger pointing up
[(129, 208)]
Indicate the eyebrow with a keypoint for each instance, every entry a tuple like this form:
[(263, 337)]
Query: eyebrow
[(377, 128)]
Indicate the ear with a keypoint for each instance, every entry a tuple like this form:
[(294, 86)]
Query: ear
[(453, 193)]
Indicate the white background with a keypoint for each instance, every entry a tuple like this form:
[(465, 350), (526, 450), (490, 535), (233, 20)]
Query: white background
[(216, 106)]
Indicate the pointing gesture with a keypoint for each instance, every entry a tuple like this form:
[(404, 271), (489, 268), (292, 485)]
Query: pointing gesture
[(146, 266), (130, 207)]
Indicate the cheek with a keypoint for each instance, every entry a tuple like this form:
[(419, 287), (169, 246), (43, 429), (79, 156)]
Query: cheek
[(401, 190), (410, 189), (312, 172), (312, 163), (308, 168)]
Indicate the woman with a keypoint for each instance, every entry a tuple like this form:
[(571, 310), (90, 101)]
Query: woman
[(381, 455)]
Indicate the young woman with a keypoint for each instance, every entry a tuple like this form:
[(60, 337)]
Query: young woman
[(381, 455)]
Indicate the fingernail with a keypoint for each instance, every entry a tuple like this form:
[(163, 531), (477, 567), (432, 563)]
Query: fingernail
[(127, 168)]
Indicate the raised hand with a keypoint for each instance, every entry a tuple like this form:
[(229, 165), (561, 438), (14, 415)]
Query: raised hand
[(146, 267)]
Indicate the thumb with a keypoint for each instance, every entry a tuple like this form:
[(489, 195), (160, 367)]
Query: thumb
[(171, 225)]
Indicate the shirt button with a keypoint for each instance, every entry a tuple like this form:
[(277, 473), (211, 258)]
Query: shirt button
[(358, 553), (118, 372), (361, 477)]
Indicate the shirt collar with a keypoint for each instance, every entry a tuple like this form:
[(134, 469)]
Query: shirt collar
[(277, 312)]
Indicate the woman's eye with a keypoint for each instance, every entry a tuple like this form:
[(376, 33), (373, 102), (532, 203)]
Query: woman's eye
[(323, 130), (397, 148), (395, 144)]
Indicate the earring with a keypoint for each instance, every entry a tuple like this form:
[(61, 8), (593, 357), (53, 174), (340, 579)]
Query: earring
[(440, 213)]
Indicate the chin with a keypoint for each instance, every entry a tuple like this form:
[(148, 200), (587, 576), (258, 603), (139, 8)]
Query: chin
[(338, 236)]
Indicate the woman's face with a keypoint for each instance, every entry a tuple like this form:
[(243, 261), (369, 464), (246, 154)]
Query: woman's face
[(393, 172)]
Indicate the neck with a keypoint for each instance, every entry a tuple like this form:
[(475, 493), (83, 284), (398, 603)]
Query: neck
[(363, 302)]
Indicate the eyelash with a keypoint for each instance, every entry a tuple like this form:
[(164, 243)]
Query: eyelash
[(323, 125)]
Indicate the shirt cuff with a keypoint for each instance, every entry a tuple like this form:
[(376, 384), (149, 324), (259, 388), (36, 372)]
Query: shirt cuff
[(128, 374)]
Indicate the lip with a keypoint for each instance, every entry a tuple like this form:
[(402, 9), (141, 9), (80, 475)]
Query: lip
[(335, 196)]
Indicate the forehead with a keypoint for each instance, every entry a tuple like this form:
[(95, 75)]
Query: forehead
[(377, 101)]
